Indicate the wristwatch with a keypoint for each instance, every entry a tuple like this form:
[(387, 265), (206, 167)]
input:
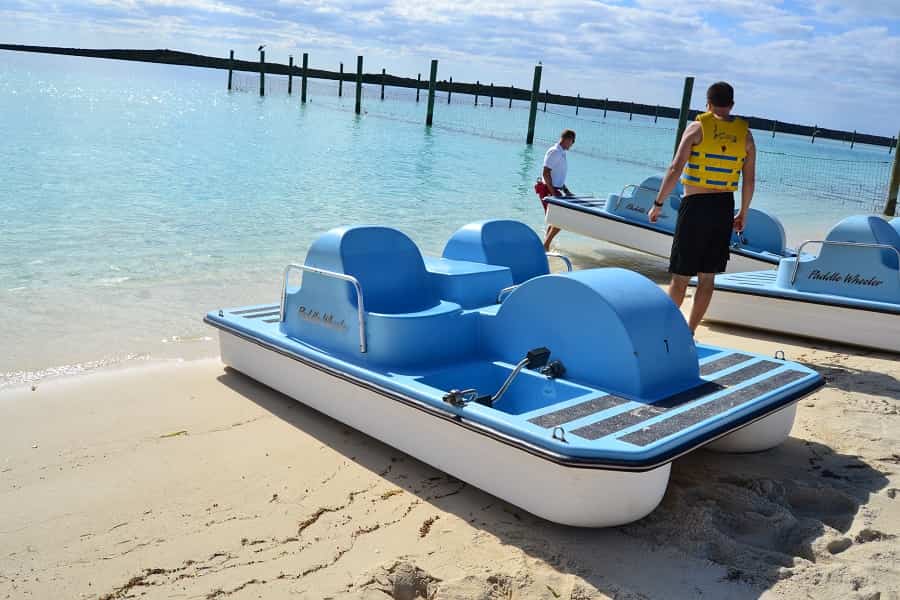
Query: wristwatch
[(658, 203)]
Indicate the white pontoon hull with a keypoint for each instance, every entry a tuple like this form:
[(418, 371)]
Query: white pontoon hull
[(634, 237), (857, 326), (582, 497), (570, 495)]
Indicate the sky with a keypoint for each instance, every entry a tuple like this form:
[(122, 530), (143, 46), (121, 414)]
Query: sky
[(835, 63)]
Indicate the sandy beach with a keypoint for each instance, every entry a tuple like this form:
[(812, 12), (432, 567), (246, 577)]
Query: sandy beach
[(188, 480)]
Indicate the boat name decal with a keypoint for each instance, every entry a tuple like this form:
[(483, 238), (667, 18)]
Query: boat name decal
[(326, 319), (851, 278), (640, 209)]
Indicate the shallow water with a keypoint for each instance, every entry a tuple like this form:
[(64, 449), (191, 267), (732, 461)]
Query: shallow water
[(137, 197)]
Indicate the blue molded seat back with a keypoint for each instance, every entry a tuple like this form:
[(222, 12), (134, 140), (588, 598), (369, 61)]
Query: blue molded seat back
[(863, 229), (895, 223), (637, 202), (762, 231), (386, 262), (500, 242)]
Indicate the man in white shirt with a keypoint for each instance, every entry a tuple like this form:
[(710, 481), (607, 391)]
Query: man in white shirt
[(553, 177)]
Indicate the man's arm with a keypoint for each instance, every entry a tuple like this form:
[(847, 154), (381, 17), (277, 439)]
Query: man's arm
[(693, 135), (748, 185), (548, 181)]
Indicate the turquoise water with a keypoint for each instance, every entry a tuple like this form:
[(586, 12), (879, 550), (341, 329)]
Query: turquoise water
[(137, 197)]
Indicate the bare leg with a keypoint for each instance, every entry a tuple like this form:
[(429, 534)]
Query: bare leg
[(702, 297), (551, 233), (677, 288)]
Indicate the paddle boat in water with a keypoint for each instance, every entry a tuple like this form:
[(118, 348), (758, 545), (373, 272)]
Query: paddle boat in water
[(622, 219), (567, 394), (849, 293)]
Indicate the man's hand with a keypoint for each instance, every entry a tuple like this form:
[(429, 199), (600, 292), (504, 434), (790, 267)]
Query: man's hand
[(739, 221), (653, 213)]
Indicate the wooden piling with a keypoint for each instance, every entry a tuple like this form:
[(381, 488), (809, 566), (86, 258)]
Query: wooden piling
[(890, 207), (577, 102), (631, 111), (656, 114), (449, 90), (774, 125), (341, 82), (683, 112), (532, 112), (230, 64), (815, 131), (492, 94), (852, 139), (605, 106), (418, 86), (290, 73), (382, 84), (262, 72), (359, 67), (303, 77), (432, 80), (546, 95), (477, 89), (510, 96)]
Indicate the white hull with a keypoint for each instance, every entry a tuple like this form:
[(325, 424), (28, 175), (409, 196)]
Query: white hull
[(821, 321), (634, 237), (762, 435), (582, 497)]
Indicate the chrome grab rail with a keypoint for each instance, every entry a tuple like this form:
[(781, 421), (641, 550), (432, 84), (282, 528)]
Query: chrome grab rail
[(510, 288), (563, 258), (627, 187), (852, 244), (360, 306), (504, 291)]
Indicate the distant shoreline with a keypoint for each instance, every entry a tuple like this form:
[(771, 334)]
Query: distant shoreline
[(188, 59)]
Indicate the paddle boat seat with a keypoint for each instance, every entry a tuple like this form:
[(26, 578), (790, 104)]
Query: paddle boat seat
[(502, 243), (858, 259), (762, 232), (405, 319), (895, 223), (636, 206)]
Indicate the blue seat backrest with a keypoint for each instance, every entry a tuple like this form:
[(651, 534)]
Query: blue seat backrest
[(500, 242), (864, 229), (762, 231), (637, 201), (895, 223), (386, 262)]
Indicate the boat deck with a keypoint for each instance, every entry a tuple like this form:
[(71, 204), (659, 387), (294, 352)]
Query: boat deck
[(763, 283), (576, 423)]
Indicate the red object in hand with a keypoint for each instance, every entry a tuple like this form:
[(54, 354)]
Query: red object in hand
[(541, 189)]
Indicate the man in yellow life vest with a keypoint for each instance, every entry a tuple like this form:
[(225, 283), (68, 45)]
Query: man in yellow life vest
[(714, 151)]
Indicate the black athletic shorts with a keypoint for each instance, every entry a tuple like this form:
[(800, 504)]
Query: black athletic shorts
[(702, 234)]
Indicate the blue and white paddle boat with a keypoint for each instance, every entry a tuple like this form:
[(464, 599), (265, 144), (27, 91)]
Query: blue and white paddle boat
[(849, 293), (622, 219), (569, 397)]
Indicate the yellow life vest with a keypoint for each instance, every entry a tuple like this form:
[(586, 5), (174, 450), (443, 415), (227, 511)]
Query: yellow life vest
[(717, 161)]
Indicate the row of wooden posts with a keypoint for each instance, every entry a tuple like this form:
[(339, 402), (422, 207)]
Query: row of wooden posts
[(429, 118), (683, 113)]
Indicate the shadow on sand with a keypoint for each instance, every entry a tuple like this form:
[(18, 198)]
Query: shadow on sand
[(729, 525)]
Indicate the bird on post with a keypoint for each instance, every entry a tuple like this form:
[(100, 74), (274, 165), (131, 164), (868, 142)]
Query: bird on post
[(261, 46)]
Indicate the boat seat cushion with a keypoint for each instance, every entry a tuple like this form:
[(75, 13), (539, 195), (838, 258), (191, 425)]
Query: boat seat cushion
[(503, 243), (635, 205), (762, 232), (866, 229), (388, 265)]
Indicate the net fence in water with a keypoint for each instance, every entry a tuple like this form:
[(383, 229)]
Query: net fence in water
[(634, 139)]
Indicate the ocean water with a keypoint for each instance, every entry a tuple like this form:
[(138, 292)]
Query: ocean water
[(137, 197)]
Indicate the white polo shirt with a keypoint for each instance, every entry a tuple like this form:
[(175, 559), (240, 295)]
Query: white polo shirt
[(555, 160)]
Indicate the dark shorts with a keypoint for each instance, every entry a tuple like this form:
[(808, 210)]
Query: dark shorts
[(702, 234)]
